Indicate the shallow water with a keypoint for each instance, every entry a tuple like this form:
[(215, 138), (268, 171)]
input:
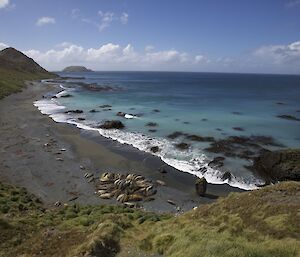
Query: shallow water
[(205, 104)]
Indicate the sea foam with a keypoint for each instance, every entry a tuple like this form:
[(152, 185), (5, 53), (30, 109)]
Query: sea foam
[(190, 161)]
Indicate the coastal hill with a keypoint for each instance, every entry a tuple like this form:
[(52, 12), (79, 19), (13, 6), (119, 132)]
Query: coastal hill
[(76, 69), (15, 69), (12, 59)]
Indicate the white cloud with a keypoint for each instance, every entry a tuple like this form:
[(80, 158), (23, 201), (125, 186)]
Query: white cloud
[(149, 48), (3, 46), (106, 19), (201, 59), (111, 56), (280, 54), (124, 18), (45, 20), (4, 3)]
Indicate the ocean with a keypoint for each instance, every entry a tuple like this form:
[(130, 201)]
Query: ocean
[(210, 105)]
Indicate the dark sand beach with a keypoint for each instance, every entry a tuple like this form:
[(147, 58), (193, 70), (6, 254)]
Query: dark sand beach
[(50, 159)]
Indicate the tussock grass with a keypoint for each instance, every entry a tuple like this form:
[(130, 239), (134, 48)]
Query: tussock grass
[(260, 223), (13, 81)]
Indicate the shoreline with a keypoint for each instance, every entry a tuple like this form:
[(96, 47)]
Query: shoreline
[(25, 161)]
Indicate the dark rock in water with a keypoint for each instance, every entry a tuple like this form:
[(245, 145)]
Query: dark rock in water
[(237, 113), (182, 146), (54, 96), (186, 122), (112, 124), (66, 95), (151, 124), (226, 176), (152, 130), (203, 170), (200, 138), (238, 129), (280, 103), (105, 106), (279, 165), (121, 114), (218, 129), (288, 117), (154, 149), (217, 162), (242, 146), (93, 111), (204, 119), (80, 118), (74, 111), (107, 109), (201, 185), (175, 134), (298, 111), (156, 110)]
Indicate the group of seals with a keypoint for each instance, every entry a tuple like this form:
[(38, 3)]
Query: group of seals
[(125, 188)]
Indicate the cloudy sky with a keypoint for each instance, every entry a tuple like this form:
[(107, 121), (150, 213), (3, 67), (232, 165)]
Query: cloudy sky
[(173, 35)]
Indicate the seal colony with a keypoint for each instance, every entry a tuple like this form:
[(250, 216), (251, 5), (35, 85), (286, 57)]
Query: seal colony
[(125, 188)]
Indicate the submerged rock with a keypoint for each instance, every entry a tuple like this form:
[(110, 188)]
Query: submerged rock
[(66, 95), (105, 106), (279, 165), (93, 111), (121, 114), (201, 185), (112, 124), (288, 117), (151, 124), (200, 138), (226, 176), (154, 149), (238, 129), (175, 134), (217, 162), (182, 146), (74, 111)]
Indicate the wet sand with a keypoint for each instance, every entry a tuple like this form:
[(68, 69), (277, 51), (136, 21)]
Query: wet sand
[(31, 155)]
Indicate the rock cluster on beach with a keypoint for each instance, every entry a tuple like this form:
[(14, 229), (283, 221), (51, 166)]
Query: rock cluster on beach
[(279, 165), (126, 189)]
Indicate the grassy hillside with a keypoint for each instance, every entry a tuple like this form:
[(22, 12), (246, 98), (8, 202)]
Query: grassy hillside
[(259, 223), (15, 69), (12, 81)]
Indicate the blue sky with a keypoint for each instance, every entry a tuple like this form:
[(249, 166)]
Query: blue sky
[(212, 35)]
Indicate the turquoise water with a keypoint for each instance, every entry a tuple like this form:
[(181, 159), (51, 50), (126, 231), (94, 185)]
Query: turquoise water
[(206, 104)]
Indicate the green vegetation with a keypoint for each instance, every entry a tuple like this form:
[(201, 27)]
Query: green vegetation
[(262, 223), (13, 81), (15, 69)]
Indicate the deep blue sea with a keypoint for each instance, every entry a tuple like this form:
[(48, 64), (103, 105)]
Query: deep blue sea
[(206, 104)]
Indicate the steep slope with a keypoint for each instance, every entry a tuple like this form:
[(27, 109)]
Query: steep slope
[(260, 223), (15, 69)]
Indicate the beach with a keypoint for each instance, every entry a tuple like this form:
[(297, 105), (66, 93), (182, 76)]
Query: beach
[(50, 159)]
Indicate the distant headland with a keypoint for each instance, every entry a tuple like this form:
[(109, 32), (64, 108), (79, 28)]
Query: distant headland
[(76, 69)]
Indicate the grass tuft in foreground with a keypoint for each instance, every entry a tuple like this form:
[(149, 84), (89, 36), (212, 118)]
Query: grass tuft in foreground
[(260, 223)]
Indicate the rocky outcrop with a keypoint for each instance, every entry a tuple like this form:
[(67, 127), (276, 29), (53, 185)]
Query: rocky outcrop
[(201, 185), (112, 124), (279, 165)]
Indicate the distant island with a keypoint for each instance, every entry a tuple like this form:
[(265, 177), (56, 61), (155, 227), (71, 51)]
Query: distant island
[(76, 69)]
